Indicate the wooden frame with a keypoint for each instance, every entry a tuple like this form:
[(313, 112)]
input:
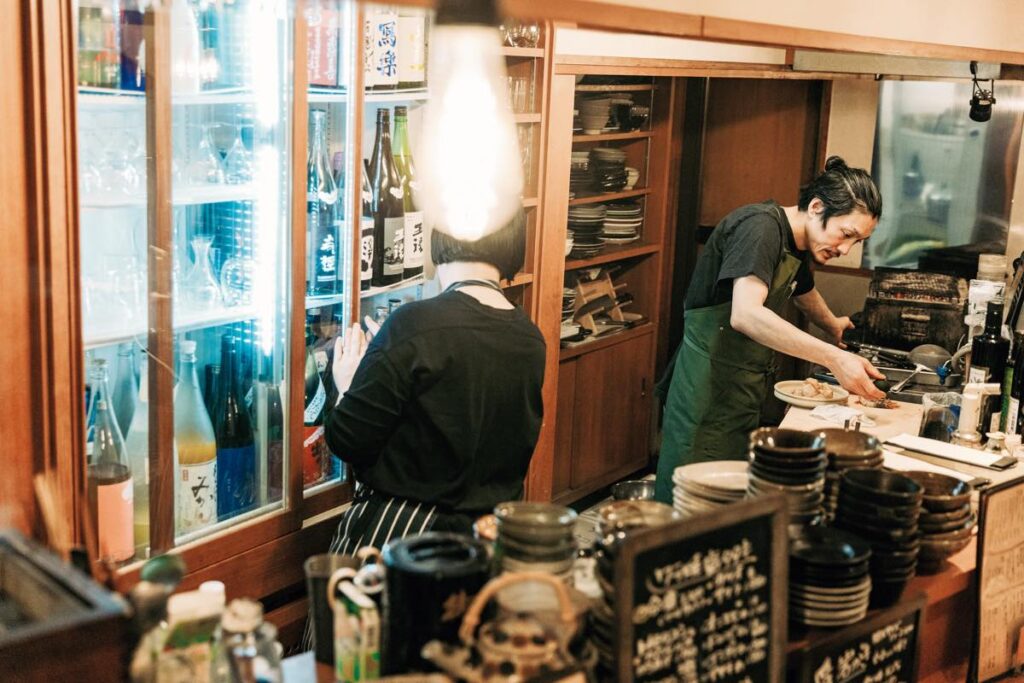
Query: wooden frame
[(1010, 593), (770, 509)]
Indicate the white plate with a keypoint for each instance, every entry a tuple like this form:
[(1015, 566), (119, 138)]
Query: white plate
[(784, 392), (723, 475)]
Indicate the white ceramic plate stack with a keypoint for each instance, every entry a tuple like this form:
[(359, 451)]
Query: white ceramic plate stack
[(622, 223), (594, 113), (706, 486)]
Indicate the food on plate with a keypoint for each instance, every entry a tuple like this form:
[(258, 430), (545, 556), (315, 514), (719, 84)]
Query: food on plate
[(885, 403), (812, 388)]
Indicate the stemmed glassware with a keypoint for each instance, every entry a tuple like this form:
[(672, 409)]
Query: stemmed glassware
[(205, 166)]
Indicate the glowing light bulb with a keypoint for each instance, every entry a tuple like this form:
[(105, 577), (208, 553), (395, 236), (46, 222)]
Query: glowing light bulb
[(471, 177)]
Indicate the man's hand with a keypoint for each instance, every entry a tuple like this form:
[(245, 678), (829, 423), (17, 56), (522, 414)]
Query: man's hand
[(855, 374), (835, 327), (348, 352)]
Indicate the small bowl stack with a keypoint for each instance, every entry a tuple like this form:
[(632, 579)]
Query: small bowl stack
[(846, 450), (829, 579), (536, 537), (946, 522), (882, 508), (585, 224), (791, 462), (580, 181), (616, 522), (594, 112), (705, 486), (608, 169)]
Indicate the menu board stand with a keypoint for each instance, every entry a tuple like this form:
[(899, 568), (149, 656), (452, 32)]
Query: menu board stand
[(884, 647), (999, 634), (705, 598)]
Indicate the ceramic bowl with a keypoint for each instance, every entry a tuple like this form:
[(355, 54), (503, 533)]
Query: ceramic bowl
[(942, 528), (637, 489), (817, 462), (859, 506), (942, 493), (787, 442), (962, 512), (632, 514), (887, 488), (828, 547), (846, 444)]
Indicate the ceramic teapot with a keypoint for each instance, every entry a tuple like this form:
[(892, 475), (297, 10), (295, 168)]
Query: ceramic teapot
[(512, 648)]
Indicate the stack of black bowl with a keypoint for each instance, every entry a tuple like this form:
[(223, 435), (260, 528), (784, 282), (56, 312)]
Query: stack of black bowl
[(882, 508), (829, 579), (946, 522), (791, 462), (847, 449)]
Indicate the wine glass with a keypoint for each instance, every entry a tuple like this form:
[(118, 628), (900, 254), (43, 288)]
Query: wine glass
[(205, 167), (238, 162)]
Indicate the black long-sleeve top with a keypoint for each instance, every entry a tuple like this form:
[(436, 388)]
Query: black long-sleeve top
[(445, 407)]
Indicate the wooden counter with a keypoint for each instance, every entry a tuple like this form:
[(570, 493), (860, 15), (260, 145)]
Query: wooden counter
[(951, 609)]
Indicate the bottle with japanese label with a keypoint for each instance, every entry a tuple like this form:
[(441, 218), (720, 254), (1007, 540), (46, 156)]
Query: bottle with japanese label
[(196, 489), (388, 207), (109, 477), (366, 232), (236, 447), (343, 269), (412, 261), (380, 47), (315, 457), (412, 48), (321, 212)]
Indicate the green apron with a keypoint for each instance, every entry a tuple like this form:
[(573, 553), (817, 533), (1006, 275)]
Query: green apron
[(719, 381)]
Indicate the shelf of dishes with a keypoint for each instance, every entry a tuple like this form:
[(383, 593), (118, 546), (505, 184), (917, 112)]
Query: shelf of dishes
[(610, 254), (609, 137), (593, 199), (183, 196), (129, 327)]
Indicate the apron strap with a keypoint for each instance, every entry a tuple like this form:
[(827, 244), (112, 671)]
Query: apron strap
[(459, 284)]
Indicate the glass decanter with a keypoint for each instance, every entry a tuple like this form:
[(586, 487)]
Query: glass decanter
[(200, 289)]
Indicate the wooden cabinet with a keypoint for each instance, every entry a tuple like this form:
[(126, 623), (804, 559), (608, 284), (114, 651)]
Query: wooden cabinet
[(604, 416)]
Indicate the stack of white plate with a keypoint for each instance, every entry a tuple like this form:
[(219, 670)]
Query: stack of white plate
[(706, 486), (622, 222)]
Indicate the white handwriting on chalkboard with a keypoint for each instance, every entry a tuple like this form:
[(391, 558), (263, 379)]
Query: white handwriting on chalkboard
[(733, 636), (877, 661)]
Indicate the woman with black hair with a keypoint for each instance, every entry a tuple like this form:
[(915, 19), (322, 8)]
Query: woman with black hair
[(440, 411), (756, 259)]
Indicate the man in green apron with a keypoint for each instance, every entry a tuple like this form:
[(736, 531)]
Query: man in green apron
[(756, 259)]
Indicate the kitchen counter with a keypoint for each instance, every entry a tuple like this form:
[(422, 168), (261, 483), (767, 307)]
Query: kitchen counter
[(948, 630)]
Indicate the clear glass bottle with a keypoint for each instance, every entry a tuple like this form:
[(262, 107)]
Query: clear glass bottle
[(196, 505), (126, 390), (200, 290), (321, 211), (412, 257), (136, 444), (109, 476)]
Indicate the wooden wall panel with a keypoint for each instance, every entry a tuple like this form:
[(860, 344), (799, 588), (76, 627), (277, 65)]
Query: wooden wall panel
[(760, 143)]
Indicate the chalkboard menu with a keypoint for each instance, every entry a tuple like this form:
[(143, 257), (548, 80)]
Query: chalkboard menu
[(881, 649), (704, 600), (999, 641)]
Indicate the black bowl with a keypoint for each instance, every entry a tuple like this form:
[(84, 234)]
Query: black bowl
[(943, 528), (879, 538), (962, 512), (787, 442), (814, 462), (942, 493), (844, 444), (859, 505), (828, 581), (887, 488), (828, 547), (886, 593), (871, 521), (881, 565), (786, 477)]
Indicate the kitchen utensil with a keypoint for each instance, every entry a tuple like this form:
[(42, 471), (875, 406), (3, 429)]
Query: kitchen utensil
[(918, 367)]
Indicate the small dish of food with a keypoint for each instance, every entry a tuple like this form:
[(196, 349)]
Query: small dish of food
[(809, 393)]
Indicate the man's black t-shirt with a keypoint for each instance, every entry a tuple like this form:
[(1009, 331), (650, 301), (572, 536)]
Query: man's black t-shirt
[(749, 241), (445, 407)]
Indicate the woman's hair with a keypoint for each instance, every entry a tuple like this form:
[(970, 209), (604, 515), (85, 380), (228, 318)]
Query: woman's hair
[(842, 190), (505, 248)]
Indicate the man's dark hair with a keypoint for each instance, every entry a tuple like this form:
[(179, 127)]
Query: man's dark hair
[(842, 190), (505, 248)]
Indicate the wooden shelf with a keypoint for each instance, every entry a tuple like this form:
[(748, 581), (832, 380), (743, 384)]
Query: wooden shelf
[(518, 281), (613, 253), (607, 137), (598, 198), (605, 340), (527, 118), (529, 202), (522, 52), (630, 87)]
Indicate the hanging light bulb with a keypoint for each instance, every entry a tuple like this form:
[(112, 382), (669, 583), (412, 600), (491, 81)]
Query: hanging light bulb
[(471, 176)]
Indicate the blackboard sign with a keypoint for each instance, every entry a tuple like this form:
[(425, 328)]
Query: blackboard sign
[(881, 649), (999, 637), (704, 600)]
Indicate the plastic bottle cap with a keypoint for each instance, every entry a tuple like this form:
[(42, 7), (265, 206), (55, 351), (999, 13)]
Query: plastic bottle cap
[(188, 346)]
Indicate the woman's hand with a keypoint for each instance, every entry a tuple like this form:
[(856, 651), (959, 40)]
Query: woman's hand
[(855, 373), (348, 352)]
